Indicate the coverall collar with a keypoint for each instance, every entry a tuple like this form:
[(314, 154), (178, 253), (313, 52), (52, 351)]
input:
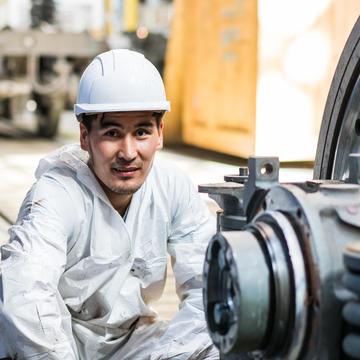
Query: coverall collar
[(77, 159)]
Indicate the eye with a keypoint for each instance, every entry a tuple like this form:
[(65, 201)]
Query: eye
[(142, 133), (112, 133)]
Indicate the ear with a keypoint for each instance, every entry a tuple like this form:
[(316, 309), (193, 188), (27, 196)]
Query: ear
[(161, 137), (84, 137)]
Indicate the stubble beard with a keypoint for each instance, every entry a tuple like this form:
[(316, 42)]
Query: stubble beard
[(123, 191), (113, 188)]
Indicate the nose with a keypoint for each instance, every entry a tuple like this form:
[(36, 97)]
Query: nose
[(128, 149)]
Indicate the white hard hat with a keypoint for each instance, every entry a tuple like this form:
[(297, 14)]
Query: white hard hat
[(120, 80)]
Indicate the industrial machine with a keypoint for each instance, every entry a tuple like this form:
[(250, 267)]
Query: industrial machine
[(41, 67), (282, 273)]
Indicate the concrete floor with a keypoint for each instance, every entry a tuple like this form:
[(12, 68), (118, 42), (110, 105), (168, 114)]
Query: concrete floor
[(20, 153)]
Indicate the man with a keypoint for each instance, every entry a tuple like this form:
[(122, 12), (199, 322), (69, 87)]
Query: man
[(88, 252)]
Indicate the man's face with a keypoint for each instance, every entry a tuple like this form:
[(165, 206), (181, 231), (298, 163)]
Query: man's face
[(122, 146)]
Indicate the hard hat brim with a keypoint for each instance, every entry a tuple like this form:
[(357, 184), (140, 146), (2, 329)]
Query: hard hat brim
[(140, 106)]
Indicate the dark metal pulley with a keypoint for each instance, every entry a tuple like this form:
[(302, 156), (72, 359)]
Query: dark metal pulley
[(340, 128)]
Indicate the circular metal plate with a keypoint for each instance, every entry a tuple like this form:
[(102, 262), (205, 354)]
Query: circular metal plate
[(340, 128)]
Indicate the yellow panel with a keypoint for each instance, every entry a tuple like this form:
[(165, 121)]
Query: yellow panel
[(222, 48), (224, 141), (220, 86), (131, 15), (174, 74)]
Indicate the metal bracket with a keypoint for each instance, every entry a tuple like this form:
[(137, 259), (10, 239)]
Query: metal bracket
[(241, 193)]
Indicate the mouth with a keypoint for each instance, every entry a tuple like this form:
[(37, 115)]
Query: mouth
[(125, 172)]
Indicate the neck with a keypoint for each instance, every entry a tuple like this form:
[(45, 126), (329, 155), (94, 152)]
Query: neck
[(118, 201)]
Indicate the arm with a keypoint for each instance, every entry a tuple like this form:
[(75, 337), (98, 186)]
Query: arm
[(192, 228), (33, 317)]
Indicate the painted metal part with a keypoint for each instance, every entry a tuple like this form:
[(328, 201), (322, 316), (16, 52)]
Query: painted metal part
[(273, 288)]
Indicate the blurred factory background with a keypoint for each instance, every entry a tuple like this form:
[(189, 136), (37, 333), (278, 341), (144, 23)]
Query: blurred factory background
[(244, 77), (252, 77)]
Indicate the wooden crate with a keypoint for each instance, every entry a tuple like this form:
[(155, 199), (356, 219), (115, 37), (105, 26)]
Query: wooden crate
[(217, 75), (251, 76)]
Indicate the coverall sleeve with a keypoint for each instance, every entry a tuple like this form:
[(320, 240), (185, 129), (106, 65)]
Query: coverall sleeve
[(191, 230), (33, 317)]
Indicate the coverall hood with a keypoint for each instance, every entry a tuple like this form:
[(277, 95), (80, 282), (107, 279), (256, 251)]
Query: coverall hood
[(71, 156)]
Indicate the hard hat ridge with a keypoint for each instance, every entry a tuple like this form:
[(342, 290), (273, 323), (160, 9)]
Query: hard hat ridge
[(120, 80), (107, 62)]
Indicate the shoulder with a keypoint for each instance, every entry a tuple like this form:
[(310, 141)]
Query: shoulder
[(168, 174), (57, 191), (48, 201), (62, 180), (174, 187)]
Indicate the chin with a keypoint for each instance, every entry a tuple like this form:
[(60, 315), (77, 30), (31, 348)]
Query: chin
[(124, 190)]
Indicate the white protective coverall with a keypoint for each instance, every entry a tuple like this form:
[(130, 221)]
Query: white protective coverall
[(77, 280)]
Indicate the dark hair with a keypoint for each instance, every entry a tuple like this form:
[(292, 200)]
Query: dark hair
[(87, 119), (158, 116)]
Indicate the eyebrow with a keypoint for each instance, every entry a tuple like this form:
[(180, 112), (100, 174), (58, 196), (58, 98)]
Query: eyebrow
[(146, 123), (104, 124)]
